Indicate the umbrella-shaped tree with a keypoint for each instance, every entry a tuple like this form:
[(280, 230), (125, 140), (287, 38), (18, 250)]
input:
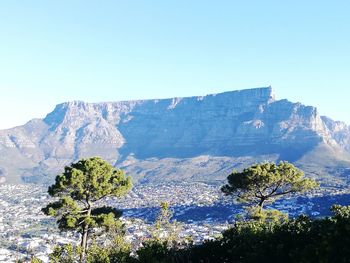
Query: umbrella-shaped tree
[(267, 182), (78, 191)]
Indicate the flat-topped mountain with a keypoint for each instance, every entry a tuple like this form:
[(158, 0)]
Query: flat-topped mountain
[(194, 138)]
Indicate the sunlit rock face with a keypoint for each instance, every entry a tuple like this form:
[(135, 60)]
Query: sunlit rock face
[(159, 139)]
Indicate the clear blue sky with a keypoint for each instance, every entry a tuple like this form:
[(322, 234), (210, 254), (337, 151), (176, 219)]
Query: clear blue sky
[(56, 51)]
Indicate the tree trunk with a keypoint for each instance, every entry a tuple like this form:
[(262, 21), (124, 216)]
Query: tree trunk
[(261, 205), (84, 237), (83, 243)]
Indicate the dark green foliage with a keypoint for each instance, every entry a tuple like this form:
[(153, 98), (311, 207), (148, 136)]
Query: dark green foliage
[(341, 212), (78, 189), (267, 182), (66, 253), (267, 215), (106, 210), (117, 252), (154, 251), (300, 240)]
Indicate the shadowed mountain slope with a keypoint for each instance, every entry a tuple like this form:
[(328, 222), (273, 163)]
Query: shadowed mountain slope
[(194, 138)]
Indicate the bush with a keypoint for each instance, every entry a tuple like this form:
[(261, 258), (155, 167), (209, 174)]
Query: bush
[(153, 251), (299, 240), (302, 239)]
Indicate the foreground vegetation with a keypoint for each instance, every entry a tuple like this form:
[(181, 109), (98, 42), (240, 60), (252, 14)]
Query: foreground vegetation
[(78, 189), (261, 235), (298, 240)]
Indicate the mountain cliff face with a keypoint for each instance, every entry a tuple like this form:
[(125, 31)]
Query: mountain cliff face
[(195, 138)]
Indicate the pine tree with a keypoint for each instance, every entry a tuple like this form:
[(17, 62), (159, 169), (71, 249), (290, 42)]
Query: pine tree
[(267, 182), (79, 189)]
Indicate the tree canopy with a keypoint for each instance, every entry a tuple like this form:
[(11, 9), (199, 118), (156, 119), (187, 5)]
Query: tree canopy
[(267, 182), (78, 190)]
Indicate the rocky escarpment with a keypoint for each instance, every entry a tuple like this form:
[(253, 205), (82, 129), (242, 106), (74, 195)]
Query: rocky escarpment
[(339, 131), (164, 139)]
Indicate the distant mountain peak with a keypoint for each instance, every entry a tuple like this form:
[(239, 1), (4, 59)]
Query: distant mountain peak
[(73, 108), (161, 135)]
